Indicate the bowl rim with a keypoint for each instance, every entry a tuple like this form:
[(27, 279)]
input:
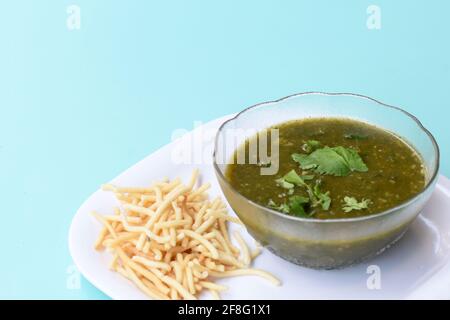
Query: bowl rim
[(333, 220)]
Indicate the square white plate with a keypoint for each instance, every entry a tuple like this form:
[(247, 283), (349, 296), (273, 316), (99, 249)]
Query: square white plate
[(416, 267)]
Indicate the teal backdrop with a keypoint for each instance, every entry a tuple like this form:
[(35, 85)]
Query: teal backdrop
[(80, 106)]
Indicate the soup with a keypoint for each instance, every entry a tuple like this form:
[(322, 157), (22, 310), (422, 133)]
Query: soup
[(332, 168)]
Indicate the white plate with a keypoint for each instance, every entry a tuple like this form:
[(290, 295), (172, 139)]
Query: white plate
[(416, 267)]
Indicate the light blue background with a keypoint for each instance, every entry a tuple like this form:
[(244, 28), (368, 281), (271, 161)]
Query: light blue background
[(79, 107)]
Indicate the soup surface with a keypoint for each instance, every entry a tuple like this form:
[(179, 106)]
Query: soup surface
[(332, 168)]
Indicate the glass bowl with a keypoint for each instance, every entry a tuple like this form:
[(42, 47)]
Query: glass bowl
[(329, 243)]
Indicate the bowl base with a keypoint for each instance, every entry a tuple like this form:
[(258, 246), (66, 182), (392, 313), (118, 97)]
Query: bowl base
[(331, 266)]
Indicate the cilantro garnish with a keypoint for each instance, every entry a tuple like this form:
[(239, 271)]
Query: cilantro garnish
[(282, 207), (297, 206), (315, 196), (353, 204), (293, 178), (337, 161), (284, 184), (321, 198)]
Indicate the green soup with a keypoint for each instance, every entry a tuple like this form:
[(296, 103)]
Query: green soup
[(331, 168)]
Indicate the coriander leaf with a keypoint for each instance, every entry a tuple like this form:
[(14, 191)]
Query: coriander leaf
[(323, 199), (353, 204), (354, 161), (338, 161), (271, 203), (324, 161), (284, 184), (294, 178), (299, 199), (316, 196), (282, 207), (296, 206), (304, 160), (310, 146)]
